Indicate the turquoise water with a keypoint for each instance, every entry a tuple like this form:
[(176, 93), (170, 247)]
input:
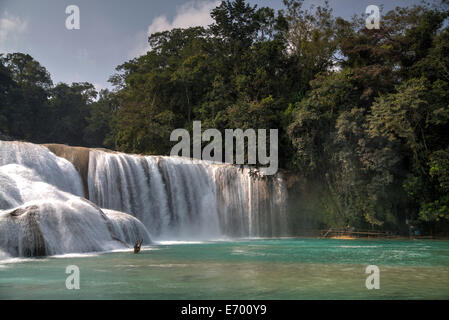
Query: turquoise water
[(243, 269)]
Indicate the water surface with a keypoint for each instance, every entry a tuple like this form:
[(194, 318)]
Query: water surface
[(243, 269)]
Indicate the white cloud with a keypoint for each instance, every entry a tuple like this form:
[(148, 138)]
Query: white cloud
[(140, 45), (191, 14), (10, 26)]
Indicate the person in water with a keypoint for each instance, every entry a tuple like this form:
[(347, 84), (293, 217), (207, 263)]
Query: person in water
[(137, 246)]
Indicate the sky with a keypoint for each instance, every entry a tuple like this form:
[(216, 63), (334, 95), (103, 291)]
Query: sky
[(114, 31)]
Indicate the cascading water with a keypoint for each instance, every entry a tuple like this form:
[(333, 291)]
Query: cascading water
[(173, 197), (185, 199), (47, 166)]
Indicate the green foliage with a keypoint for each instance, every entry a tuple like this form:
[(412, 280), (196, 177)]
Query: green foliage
[(101, 119), (373, 132), (25, 87), (435, 211), (32, 109), (69, 109)]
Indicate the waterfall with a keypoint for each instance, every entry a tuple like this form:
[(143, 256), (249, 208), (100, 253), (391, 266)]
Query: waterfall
[(178, 198), (108, 200)]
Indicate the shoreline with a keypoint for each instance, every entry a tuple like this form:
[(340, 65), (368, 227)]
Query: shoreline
[(353, 234)]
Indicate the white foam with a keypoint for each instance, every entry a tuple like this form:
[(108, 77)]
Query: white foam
[(47, 166), (178, 242)]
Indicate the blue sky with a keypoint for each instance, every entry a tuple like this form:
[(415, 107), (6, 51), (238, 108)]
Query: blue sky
[(113, 31)]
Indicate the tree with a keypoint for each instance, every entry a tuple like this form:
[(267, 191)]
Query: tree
[(311, 37), (101, 120), (7, 85), (70, 106), (25, 86)]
